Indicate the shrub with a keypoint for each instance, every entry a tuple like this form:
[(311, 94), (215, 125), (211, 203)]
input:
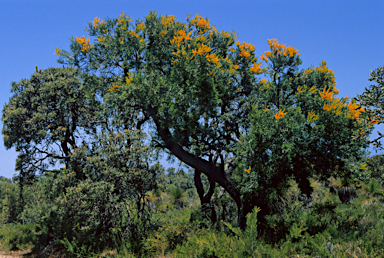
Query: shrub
[(17, 237), (10, 203)]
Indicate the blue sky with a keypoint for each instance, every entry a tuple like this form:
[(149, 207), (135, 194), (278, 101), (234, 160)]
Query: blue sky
[(346, 34)]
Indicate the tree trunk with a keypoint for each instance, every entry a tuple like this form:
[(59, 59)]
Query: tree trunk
[(205, 197), (208, 168)]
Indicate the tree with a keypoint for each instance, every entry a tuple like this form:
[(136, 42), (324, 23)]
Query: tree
[(300, 129), (45, 117), (45, 120), (373, 99), (194, 86)]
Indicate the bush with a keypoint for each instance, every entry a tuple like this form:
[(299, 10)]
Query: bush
[(85, 217), (10, 203), (17, 237)]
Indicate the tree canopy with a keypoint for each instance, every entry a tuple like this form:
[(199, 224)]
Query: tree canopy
[(249, 123)]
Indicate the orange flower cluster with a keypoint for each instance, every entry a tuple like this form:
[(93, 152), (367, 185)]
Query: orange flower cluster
[(128, 79), (278, 48), (245, 54), (225, 34), (313, 89), (327, 94), (123, 17), (274, 44), (132, 32), (256, 67), (280, 114), (165, 20), (114, 88), (202, 24), (300, 89), (312, 116), (324, 69), (244, 47), (354, 110), (290, 50), (263, 81), (373, 122), (140, 26), (97, 21), (181, 36), (84, 42), (214, 59), (336, 104), (179, 52), (203, 49), (57, 51), (100, 39)]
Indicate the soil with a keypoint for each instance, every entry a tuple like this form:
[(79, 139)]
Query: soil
[(28, 254), (11, 254)]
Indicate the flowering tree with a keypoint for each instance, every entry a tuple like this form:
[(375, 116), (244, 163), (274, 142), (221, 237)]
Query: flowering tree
[(203, 95), (300, 129)]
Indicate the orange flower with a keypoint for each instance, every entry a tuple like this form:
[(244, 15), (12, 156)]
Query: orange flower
[(84, 42), (248, 170), (312, 116), (167, 20), (213, 58), (326, 94), (274, 44), (114, 88), (181, 37), (236, 67), (291, 50), (97, 21), (262, 57), (245, 54), (280, 114), (313, 89), (204, 49), (256, 67), (299, 89), (140, 26)]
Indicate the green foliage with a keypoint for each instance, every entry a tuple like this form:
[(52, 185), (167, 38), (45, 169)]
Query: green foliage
[(46, 111), (87, 213), (173, 230), (180, 179), (38, 198), (372, 98), (17, 237), (376, 166), (208, 244), (10, 203), (374, 187)]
